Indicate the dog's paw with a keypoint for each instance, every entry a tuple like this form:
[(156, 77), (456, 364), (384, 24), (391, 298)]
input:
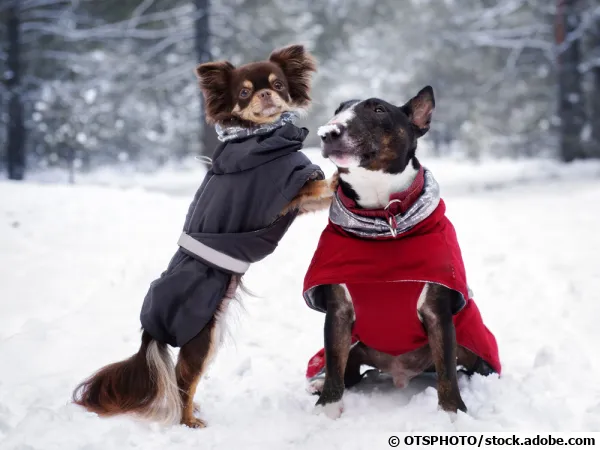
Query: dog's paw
[(332, 410), (334, 181), (315, 387), (193, 422)]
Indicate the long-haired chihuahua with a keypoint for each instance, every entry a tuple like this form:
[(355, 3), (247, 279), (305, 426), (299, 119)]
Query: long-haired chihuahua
[(244, 99)]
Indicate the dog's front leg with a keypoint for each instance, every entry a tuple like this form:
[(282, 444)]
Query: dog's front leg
[(314, 196), (338, 338), (436, 311)]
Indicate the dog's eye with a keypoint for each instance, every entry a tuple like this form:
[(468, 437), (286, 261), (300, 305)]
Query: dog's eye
[(244, 93), (278, 85), (379, 109)]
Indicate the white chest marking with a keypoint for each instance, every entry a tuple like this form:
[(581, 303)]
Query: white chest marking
[(374, 187)]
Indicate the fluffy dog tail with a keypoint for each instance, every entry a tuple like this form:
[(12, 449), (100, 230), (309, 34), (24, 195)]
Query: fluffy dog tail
[(144, 384)]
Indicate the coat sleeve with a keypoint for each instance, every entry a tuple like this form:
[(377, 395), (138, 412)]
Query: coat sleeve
[(293, 172)]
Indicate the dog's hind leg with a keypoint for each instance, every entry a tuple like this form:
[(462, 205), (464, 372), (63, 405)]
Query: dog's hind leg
[(359, 355), (436, 311), (338, 338), (472, 363), (194, 357)]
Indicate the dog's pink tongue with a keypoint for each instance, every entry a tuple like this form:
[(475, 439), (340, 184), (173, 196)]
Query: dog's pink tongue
[(341, 160)]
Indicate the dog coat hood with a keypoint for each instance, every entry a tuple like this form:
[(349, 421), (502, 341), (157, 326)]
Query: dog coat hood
[(385, 275), (233, 217)]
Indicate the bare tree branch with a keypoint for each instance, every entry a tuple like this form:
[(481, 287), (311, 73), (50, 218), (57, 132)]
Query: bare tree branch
[(587, 21)]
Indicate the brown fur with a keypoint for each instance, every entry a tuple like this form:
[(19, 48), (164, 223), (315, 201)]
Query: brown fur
[(132, 386), (192, 361), (297, 64), (261, 100), (314, 196), (441, 335), (338, 338), (441, 354), (403, 367), (143, 382), (222, 83), (215, 78), (383, 137), (289, 69), (128, 386), (387, 153)]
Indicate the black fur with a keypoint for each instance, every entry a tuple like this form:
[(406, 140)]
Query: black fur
[(381, 137)]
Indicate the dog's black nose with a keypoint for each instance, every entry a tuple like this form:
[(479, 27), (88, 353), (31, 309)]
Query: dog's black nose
[(265, 94), (331, 132)]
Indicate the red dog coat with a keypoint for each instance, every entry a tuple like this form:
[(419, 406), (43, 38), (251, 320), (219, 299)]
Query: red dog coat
[(385, 278)]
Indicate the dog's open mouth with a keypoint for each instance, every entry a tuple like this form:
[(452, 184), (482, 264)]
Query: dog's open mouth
[(341, 158)]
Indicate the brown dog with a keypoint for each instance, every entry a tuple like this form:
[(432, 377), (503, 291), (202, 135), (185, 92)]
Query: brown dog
[(244, 101), (258, 93)]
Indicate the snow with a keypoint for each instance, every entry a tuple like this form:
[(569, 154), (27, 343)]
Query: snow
[(455, 175), (76, 262)]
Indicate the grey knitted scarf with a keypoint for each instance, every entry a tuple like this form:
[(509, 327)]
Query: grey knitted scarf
[(236, 132)]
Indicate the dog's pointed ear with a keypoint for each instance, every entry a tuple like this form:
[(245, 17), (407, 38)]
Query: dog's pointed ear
[(419, 109), (297, 64), (215, 81)]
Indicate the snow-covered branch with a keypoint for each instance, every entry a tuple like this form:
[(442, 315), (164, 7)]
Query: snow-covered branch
[(591, 63), (588, 19), (487, 17)]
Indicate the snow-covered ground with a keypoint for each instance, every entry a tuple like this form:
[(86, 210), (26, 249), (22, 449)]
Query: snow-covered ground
[(456, 175), (75, 263)]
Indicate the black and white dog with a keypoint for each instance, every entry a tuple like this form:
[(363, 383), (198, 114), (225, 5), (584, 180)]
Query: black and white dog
[(388, 271)]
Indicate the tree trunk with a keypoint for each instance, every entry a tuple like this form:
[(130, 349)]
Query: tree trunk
[(15, 151), (595, 97), (571, 107), (595, 119), (204, 54)]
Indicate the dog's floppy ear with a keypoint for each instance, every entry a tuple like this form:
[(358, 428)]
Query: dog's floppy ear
[(215, 79), (297, 64), (420, 108)]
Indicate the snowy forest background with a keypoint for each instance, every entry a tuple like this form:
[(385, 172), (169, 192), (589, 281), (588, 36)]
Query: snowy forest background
[(87, 83)]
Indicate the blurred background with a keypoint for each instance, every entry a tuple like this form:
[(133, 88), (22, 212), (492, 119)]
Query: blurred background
[(102, 94), (90, 83)]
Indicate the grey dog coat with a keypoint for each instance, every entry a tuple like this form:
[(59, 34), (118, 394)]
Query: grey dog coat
[(235, 213)]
